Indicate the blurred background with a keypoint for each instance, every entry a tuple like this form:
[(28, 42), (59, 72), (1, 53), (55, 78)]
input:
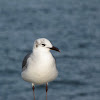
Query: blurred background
[(71, 25)]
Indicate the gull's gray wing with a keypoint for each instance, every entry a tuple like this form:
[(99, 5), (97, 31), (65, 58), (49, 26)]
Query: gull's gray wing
[(24, 63)]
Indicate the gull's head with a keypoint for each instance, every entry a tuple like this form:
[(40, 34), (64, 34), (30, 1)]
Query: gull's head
[(43, 44)]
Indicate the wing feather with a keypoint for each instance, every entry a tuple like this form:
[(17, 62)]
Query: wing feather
[(24, 63)]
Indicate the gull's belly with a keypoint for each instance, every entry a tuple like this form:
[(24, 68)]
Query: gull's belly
[(41, 70), (41, 74), (44, 77)]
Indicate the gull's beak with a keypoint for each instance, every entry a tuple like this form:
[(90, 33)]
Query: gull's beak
[(54, 48)]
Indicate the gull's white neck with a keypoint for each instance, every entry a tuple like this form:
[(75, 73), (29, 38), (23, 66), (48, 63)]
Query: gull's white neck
[(41, 53)]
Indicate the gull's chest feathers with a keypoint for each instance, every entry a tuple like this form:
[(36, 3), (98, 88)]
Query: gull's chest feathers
[(42, 68), (43, 62)]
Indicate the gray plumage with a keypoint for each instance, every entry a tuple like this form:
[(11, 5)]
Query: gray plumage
[(24, 63)]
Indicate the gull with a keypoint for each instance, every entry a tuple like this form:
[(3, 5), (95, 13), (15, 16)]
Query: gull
[(39, 66)]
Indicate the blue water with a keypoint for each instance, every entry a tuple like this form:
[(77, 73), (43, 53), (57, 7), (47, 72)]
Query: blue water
[(71, 25)]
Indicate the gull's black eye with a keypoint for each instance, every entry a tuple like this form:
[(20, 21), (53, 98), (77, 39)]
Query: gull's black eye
[(43, 44)]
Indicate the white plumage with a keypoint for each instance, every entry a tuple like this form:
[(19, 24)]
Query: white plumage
[(40, 67)]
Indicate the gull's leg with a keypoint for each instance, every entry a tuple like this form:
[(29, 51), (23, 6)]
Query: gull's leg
[(33, 87), (46, 90)]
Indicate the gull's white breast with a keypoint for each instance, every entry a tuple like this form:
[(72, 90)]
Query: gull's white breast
[(41, 69)]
